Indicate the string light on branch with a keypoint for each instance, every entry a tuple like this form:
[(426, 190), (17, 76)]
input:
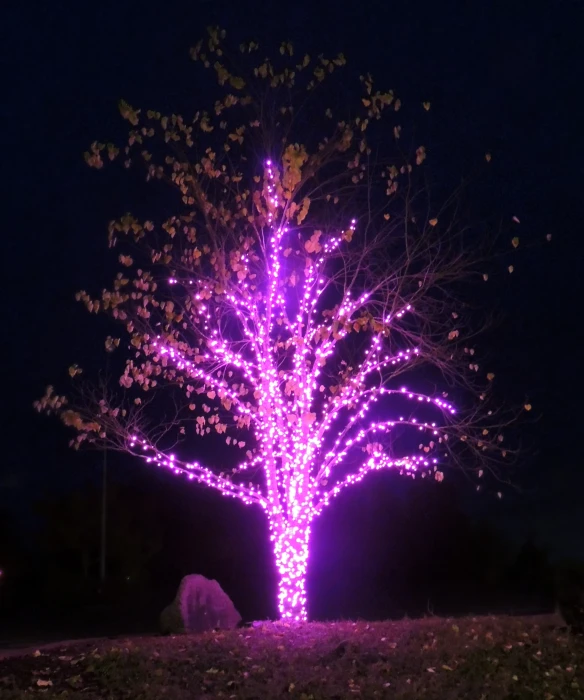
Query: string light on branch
[(193, 470), (283, 313), (289, 426)]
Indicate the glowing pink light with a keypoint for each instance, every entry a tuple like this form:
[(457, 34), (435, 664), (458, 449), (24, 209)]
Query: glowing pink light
[(300, 479)]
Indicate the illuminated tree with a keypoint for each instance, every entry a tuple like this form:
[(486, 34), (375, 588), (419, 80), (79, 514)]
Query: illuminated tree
[(302, 303)]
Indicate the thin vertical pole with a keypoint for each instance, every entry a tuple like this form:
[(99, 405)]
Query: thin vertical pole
[(102, 568), (102, 557)]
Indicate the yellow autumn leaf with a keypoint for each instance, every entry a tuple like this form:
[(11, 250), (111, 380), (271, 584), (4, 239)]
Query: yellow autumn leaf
[(128, 112), (293, 159), (420, 155), (433, 222), (312, 245), (236, 82), (302, 213)]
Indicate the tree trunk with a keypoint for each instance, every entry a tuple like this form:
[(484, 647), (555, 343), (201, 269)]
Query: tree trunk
[(291, 552)]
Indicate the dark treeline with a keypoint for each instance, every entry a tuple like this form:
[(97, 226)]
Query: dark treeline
[(387, 551)]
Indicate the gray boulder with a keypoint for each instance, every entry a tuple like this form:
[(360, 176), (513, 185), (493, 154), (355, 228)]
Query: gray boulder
[(200, 605)]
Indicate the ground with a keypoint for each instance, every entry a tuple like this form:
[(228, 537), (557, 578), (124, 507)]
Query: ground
[(484, 658)]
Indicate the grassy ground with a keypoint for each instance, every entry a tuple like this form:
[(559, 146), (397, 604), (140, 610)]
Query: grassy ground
[(476, 658)]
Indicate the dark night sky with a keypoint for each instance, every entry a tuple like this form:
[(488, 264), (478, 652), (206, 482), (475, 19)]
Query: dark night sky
[(502, 77)]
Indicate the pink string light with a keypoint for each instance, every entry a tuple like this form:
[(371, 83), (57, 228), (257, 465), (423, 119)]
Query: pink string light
[(296, 474)]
